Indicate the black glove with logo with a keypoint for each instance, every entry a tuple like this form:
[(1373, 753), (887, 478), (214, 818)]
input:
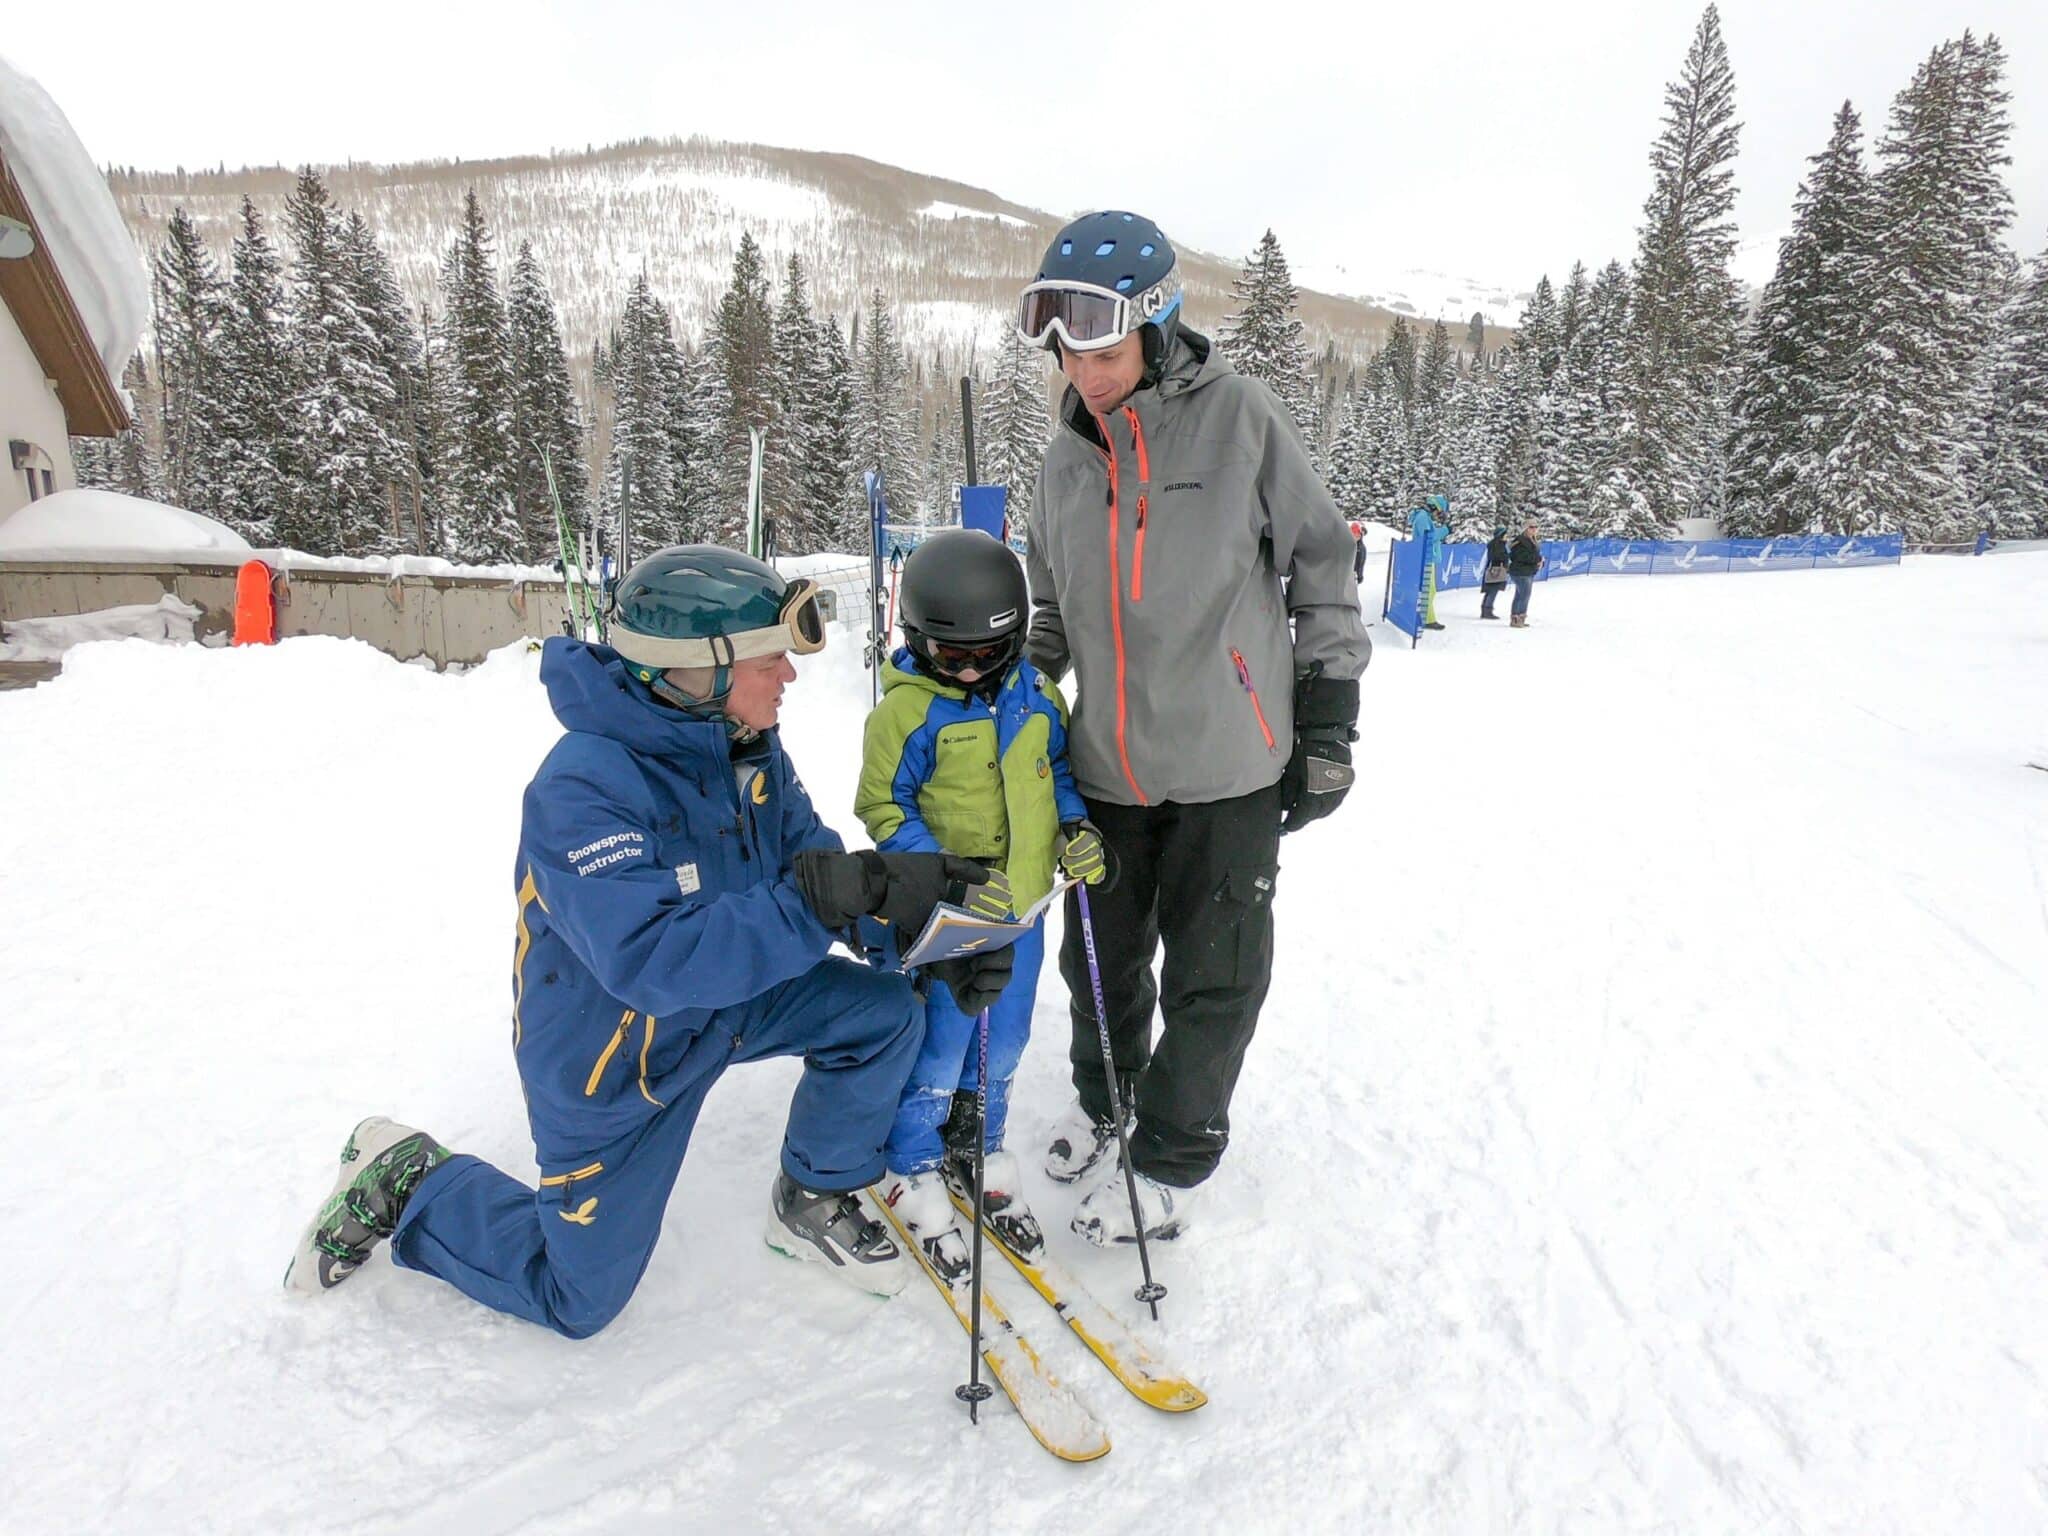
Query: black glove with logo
[(1319, 773), (977, 980), (899, 888)]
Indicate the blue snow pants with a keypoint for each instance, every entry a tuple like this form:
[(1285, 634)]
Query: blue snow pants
[(568, 1255), (951, 1056)]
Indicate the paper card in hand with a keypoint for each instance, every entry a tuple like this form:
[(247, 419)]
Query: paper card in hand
[(954, 931)]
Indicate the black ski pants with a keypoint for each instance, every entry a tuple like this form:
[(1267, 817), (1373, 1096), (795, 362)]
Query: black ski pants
[(1201, 878)]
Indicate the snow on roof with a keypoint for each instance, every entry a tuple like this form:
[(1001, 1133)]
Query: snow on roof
[(75, 217), (95, 525), (106, 525)]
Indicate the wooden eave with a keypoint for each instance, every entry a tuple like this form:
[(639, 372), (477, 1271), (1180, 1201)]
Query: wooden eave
[(34, 292)]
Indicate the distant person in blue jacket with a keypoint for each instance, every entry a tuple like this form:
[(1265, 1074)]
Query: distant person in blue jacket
[(1430, 523), (677, 900)]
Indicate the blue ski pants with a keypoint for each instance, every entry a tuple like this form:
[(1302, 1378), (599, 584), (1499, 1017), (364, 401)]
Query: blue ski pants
[(568, 1254), (951, 1056)]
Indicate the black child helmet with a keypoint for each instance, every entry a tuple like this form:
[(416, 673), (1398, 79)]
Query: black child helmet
[(964, 606)]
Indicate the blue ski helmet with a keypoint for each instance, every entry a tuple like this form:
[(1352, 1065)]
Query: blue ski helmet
[(1114, 255)]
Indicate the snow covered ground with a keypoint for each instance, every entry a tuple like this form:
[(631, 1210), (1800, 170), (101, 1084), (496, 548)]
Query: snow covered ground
[(1646, 1130)]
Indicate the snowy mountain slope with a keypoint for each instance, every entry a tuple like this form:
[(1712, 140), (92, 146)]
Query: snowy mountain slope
[(1420, 295), (1644, 1131), (953, 256)]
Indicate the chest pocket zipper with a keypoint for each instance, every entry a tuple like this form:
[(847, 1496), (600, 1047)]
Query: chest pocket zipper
[(1144, 499)]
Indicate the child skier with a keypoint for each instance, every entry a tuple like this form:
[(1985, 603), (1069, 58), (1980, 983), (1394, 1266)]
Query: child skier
[(967, 754)]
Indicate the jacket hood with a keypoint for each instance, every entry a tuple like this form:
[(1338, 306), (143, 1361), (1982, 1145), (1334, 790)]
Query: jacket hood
[(590, 690), (1191, 363)]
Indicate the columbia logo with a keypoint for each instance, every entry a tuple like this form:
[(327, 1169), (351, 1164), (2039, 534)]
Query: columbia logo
[(1181, 485)]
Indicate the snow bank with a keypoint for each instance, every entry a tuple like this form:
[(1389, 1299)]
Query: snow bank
[(76, 216), (1644, 1131), (406, 565), (168, 620), (107, 525)]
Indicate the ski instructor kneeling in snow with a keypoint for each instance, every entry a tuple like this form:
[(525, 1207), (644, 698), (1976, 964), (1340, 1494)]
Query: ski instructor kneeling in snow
[(677, 896), (1177, 530)]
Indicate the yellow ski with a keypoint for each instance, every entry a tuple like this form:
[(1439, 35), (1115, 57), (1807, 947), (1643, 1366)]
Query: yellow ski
[(1057, 1419), (1150, 1380)]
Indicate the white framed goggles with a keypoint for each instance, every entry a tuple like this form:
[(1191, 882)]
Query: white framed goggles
[(799, 629), (1087, 318)]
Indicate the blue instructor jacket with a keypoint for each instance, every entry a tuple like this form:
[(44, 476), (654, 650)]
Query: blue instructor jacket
[(655, 888)]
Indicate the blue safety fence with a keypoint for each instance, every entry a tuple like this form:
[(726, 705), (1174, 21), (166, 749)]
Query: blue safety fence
[(1464, 564), (1403, 606)]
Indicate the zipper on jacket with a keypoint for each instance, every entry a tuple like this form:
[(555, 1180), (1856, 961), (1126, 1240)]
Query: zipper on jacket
[(1144, 486), (1116, 619), (646, 1045), (1244, 676), (618, 1039)]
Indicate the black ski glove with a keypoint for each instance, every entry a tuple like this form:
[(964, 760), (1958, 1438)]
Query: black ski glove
[(899, 888), (1319, 773), (977, 980)]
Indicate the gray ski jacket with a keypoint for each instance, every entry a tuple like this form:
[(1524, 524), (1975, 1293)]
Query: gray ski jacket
[(1171, 545)]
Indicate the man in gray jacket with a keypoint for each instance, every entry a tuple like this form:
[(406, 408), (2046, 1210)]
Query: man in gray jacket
[(1188, 564)]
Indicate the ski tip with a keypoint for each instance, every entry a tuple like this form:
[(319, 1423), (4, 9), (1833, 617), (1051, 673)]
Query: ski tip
[(1078, 1451), (1178, 1397)]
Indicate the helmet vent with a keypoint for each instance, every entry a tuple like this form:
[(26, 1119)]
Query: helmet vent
[(1123, 284), (1105, 248), (1147, 248), (1066, 247)]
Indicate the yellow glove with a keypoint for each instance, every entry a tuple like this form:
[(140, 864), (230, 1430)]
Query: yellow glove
[(990, 899), (1081, 854)]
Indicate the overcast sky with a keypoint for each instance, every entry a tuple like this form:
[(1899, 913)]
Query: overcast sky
[(1493, 141)]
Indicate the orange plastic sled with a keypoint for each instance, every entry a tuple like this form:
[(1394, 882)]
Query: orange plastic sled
[(255, 611)]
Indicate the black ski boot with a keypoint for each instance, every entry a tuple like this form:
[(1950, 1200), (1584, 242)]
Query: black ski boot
[(381, 1166), (831, 1228)]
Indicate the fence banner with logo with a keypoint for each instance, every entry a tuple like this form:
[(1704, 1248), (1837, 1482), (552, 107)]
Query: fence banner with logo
[(985, 507), (1464, 564), (1404, 587)]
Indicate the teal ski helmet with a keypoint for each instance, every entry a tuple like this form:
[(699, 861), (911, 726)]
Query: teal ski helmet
[(697, 606)]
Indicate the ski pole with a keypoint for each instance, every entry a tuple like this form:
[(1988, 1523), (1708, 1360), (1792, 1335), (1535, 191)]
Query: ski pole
[(1151, 1291), (976, 1391)]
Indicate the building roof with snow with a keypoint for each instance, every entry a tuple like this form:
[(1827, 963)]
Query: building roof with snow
[(80, 298), (108, 525)]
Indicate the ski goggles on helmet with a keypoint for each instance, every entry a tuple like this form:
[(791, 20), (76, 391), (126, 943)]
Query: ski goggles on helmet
[(799, 629), (1087, 318)]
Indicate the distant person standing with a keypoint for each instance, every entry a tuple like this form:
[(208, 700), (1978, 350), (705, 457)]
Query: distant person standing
[(1358, 554), (1430, 524), (1525, 559), (1495, 577)]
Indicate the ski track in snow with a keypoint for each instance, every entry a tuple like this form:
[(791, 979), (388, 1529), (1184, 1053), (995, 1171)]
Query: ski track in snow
[(1644, 1133)]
